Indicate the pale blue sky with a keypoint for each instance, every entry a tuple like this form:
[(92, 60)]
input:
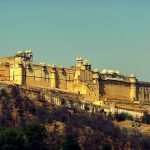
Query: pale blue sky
[(112, 34)]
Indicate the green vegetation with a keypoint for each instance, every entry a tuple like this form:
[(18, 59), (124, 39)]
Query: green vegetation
[(40, 125), (35, 135), (3, 92), (146, 118), (11, 139), (106, 146), (123, 116), (32, 137), (70, 143)]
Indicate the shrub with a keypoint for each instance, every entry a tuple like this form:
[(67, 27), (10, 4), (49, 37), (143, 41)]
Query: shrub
[(35, 136), (106, 146), (4, 92), (70, 143), (146, 118), (123, 116), (11, 139)]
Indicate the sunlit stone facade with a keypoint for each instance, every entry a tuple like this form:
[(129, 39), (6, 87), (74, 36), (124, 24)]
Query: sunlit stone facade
[(80, 78)]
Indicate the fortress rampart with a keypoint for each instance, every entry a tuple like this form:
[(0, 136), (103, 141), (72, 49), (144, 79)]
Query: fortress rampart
[(93, 85)]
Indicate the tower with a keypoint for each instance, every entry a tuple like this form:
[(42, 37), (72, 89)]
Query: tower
[(16, 71), (96, 76), (133, 81), (53, 77), (22, 61), (96, 79)]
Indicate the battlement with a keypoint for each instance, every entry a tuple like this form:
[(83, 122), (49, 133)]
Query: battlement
[(81, 79)]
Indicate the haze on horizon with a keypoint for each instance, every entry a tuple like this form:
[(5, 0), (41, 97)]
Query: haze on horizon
[(111, 34)]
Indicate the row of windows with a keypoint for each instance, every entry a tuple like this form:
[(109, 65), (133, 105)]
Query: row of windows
[(115, 76), (146, 89), (45, 78)]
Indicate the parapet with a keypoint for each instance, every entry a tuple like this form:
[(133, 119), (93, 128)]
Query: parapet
[(83, 64), (26, 55), (133, 78), (105, 71), (116, 75), (96, 74)]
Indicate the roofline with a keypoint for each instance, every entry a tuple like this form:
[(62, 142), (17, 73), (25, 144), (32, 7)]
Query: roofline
[(143, 82)]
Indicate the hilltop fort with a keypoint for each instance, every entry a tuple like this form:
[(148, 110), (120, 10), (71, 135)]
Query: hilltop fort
[(96, 87)]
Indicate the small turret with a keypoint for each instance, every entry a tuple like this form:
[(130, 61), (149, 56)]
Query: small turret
[(132, 78), (53, 77), (79, 62), (96, 75), (86, 65), (44, 66), (104, 71)]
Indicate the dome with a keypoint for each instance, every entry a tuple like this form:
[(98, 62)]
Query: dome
[(132, 75), (77, 59), (111, 71), (30, 51), (118, 72), (26, 51), (96, 70), (42, 63), (86, 62), (53, 66), (80, 59), (104, 71), (61, 67), (19, 52)]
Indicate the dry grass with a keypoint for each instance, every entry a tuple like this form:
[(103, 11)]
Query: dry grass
[(144, 128)]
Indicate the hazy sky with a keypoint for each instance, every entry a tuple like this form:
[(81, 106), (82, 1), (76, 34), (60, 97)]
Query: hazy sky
[(112, 34)]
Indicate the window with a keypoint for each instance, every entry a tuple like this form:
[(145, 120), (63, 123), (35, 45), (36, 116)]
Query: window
[(114, 76)]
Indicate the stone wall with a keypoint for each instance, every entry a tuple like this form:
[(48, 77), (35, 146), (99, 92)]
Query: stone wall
[(37, 76), (4, 73), (79, 79), (115, 90), (144, 92)]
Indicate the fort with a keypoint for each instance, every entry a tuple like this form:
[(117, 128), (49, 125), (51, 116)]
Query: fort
[(94, 86)]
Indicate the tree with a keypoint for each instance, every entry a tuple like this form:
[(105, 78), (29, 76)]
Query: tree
[(4, 92), (11, 139), (123, 116), (55, 139), (106, 146), (15, 91), (70, 143), (35, 137)]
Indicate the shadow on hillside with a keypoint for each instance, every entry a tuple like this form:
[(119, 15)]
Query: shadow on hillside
[(19, 109)]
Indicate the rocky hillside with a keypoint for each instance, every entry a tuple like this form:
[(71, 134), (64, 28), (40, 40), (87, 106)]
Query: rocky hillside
[(66, 128)]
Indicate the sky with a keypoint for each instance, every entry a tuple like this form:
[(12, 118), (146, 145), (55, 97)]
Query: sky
[(111, 34)]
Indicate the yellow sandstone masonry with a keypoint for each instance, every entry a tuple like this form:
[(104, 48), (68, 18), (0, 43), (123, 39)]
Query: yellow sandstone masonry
[(93, 85)]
